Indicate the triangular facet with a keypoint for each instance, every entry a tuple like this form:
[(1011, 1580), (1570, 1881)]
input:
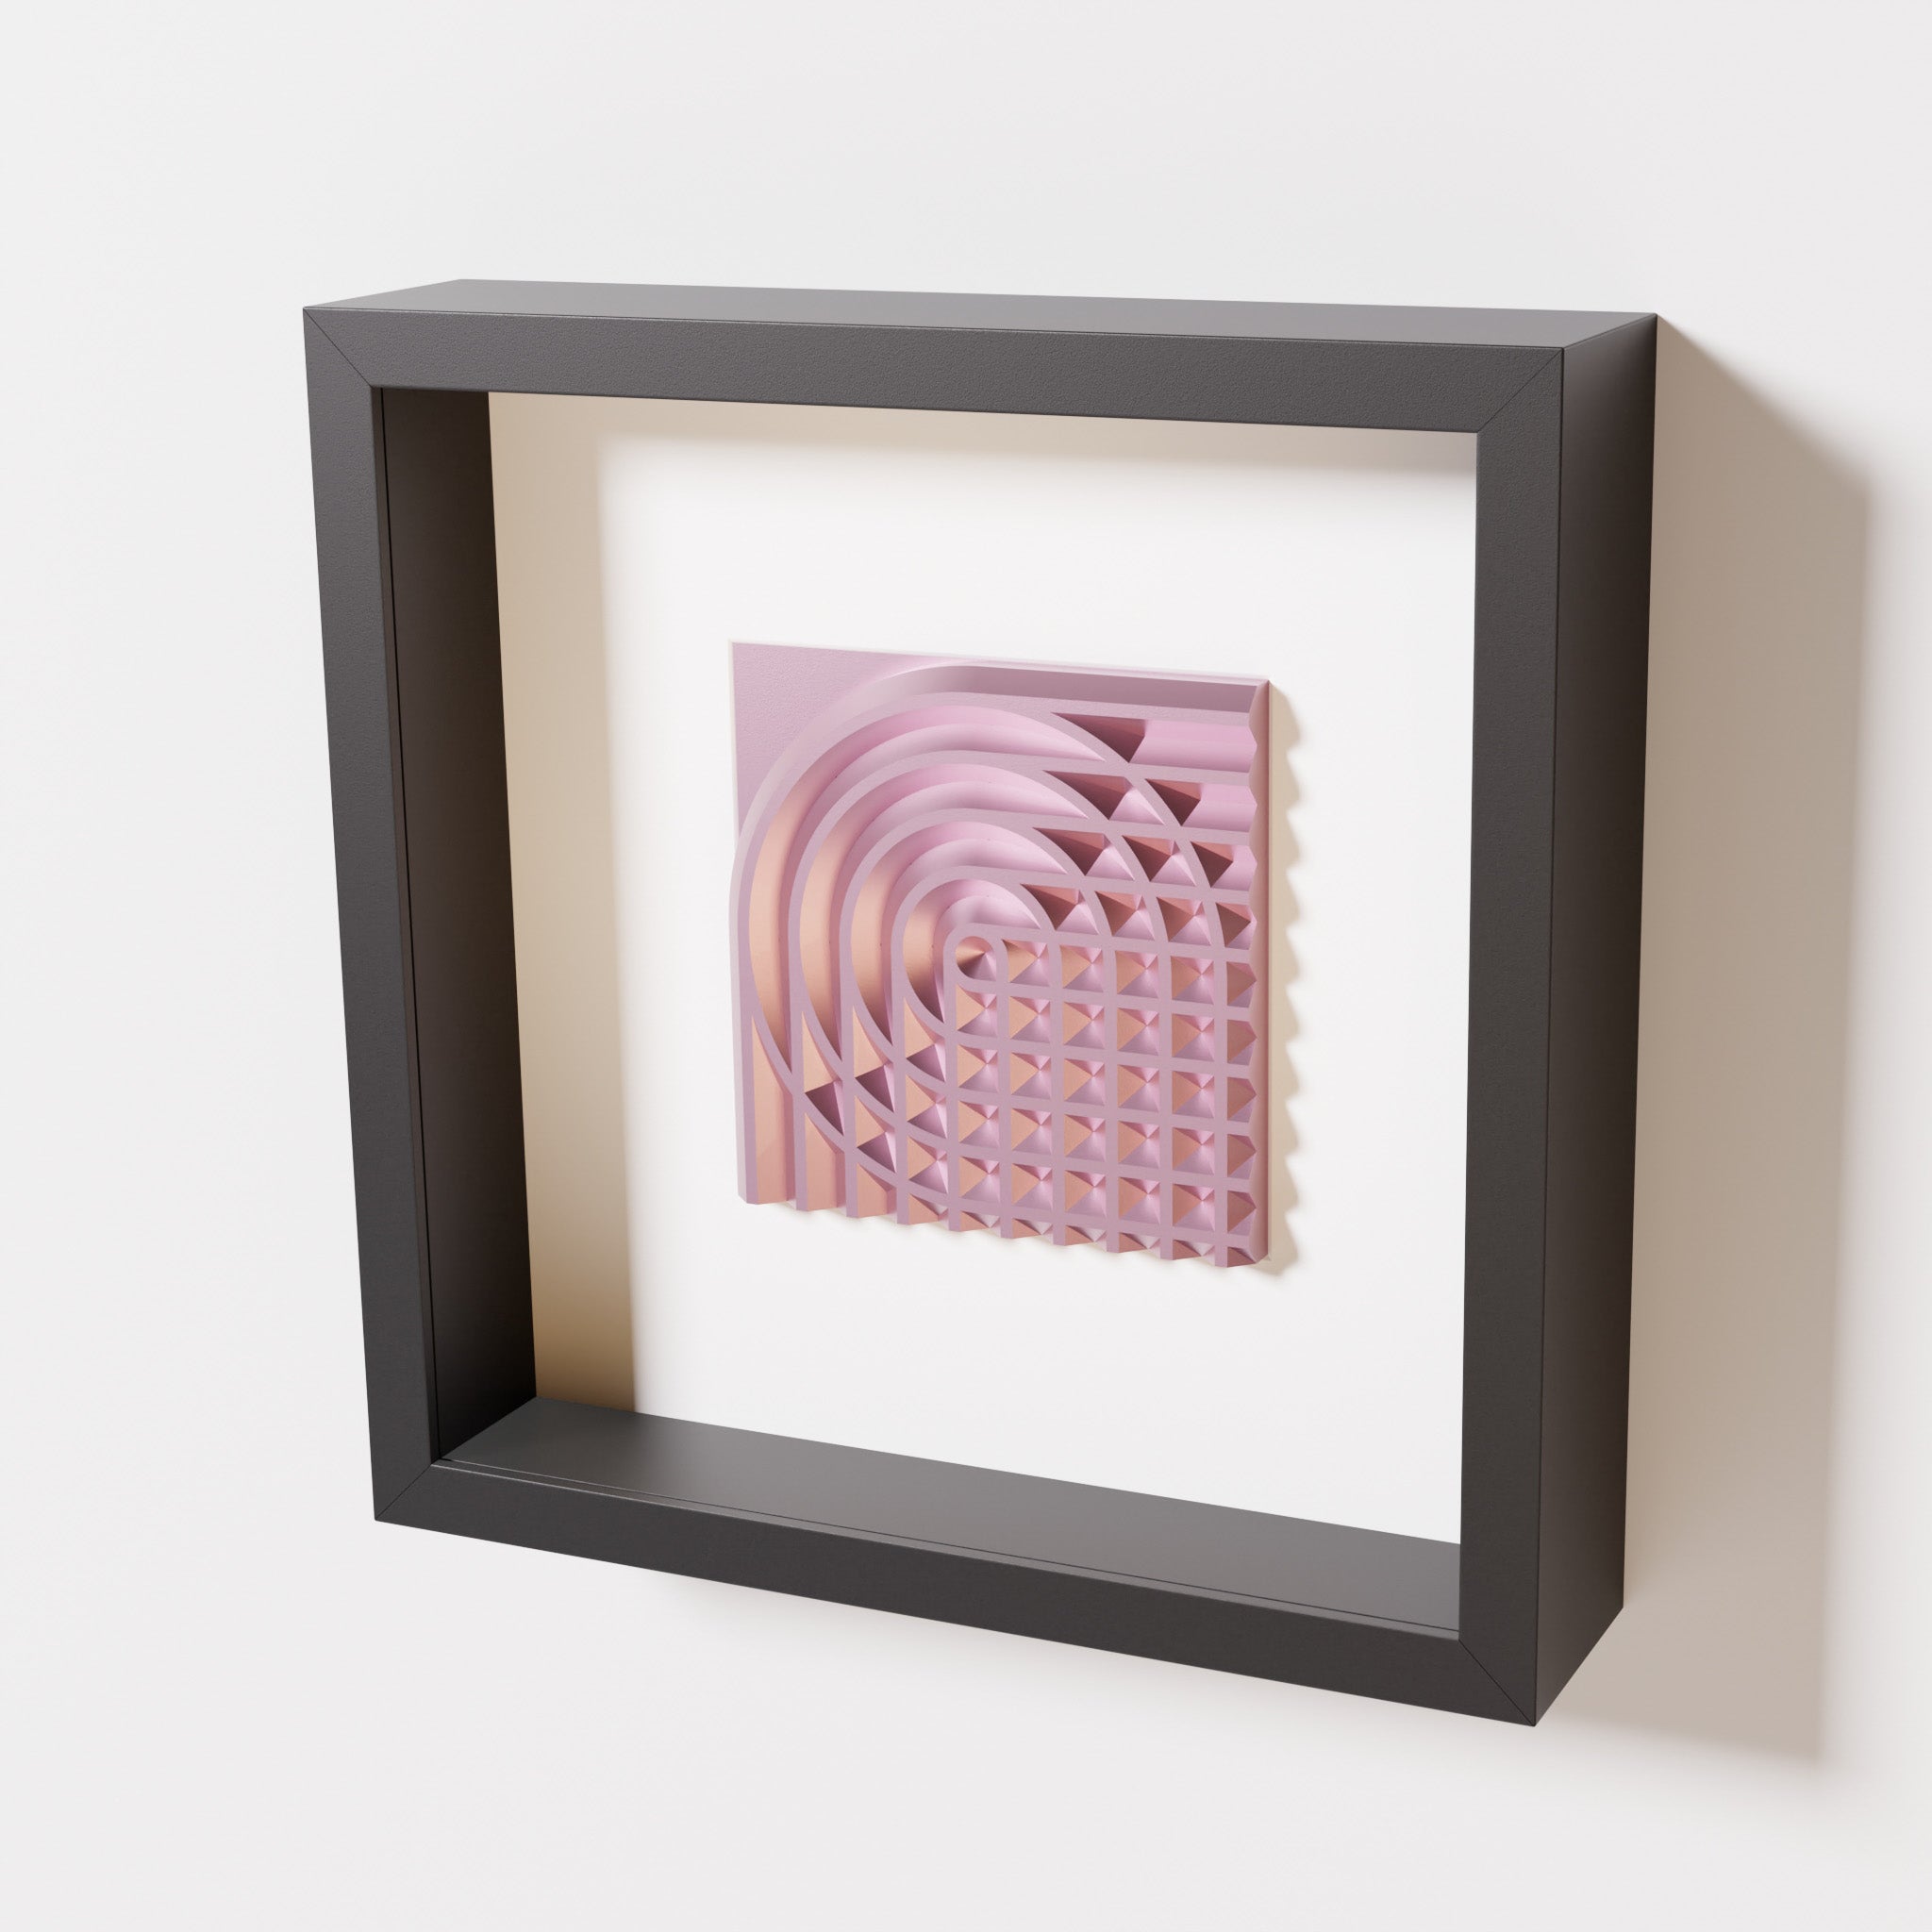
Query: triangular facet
[(1193, 1040), (1030, 1078), (1032, 1188), (1083, 848), (1182, 919), (1215, 859), (812, 1069), (1121, 736), (1079, 1186), (1056, 901), (1103, 793), (829, 1102), (1194, 978), (1182, 800), (1194, 1095), (1193, 1208), (976, 1074), (1027, 1020), (1079, 969), (1080, 1080), (1080, 1025), (1155, 855), (1024, 965)]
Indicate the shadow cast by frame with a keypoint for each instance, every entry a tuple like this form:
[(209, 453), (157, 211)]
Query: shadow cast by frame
[(1756, 645)]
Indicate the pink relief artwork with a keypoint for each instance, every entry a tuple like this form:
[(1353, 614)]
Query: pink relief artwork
[(999, 944)]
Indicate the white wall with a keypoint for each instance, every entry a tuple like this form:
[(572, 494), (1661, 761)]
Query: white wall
[(234, 1702)]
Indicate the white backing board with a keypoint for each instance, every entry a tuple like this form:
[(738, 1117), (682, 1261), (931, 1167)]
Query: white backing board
[(636, 540)]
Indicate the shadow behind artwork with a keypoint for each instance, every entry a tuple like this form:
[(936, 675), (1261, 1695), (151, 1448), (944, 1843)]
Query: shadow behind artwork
[(1279, 1090), (1755, 663), (562, 855)]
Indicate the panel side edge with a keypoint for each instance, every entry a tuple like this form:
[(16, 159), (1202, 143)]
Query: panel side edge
[(371, 891), (1511, 858), (1608, 413), (456, 818)]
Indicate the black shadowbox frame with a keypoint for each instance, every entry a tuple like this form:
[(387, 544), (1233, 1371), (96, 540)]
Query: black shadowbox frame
[(1561, 405)]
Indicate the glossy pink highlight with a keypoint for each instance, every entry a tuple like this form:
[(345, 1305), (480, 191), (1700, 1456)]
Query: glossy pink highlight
[(999, 947)]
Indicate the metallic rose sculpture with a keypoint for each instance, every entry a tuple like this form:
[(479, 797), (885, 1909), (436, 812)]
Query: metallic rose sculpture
[(999, 937)]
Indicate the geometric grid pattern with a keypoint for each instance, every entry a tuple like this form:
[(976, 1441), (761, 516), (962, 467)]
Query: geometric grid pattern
[(999, 941)]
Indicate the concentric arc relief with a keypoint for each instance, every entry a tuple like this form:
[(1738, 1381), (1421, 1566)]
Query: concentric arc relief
[(999, 945)]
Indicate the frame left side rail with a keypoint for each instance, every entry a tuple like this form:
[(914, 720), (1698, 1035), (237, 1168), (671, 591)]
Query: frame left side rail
[(406, 566)]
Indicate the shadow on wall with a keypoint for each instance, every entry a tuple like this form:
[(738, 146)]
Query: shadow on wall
[(1756, 623)]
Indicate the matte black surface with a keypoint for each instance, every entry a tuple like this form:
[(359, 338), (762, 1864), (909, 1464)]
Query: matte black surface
[(1603, 620), (874, 309), (1561, 406), (1187, 361), (449, 703), (988, 1593), (365, 780), (1328, 1566), (1512, 804)]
